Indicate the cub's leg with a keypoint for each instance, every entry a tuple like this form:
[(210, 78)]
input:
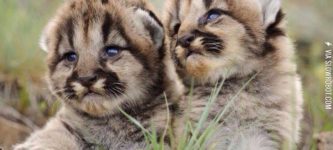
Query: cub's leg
[(54, 136)]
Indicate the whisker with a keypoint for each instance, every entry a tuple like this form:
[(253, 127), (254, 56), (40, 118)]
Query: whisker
[(215, 50)]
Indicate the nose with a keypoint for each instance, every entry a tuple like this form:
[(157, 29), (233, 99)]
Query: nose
[(87, 80), (186, 40)]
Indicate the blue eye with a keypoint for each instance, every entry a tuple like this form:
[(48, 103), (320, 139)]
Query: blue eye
[(71, 57), (112, 51), (212, 16)]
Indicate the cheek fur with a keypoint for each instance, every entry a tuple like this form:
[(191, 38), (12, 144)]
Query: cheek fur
[(131, 73), (127, 68), (59, 77)]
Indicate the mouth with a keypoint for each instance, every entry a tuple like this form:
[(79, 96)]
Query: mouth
[(191, 52), (91, 93)]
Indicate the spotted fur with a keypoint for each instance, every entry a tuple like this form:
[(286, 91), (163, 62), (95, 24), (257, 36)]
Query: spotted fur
[(104, 55), (234, 40)]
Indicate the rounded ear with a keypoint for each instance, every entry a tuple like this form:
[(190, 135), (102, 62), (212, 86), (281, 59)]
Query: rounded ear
[(44, 40), (270, 9), (152, 24)]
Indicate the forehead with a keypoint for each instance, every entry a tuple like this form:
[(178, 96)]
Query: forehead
[(244, 10), (89, 24), (193, 8), (90, 14)]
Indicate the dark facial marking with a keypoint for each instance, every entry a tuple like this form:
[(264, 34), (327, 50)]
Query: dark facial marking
[(211, 42), (176, 28), (141, 58), (268, 48), (177, 25), (106, 27), (137, 54), (73, 5), (203, 21), (56, 56), (113, 86), (86, 21), (105, 1), (207, 3), (70, 31), (69, 93), (251, 41)]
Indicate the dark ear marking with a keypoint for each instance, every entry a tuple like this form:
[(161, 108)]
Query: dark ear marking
[(106, 27), (151, 24), (273, 30), (152, 15), (155, 18), (270, 9)]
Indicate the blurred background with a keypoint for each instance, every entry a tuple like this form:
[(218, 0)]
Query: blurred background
[(26, 103)]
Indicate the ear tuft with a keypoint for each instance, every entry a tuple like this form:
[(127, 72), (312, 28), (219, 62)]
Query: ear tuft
[(43, 42), (152, 25), (270, 9)]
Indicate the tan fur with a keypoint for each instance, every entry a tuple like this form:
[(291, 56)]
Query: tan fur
[(93, 85), (246, 42)]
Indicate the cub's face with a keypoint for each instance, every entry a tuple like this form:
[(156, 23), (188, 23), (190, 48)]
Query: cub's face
[(102, 54), (214, 39)]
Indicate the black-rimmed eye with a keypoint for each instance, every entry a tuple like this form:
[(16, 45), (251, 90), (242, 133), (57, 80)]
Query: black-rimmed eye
[(213, 15), (112, 51), (71, 57)]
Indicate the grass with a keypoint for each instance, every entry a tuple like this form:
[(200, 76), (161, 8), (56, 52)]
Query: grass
[(195, 135)]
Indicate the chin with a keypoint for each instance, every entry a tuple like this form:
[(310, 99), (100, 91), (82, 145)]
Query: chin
[(96, 105), (208, 70), (197, 66)]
